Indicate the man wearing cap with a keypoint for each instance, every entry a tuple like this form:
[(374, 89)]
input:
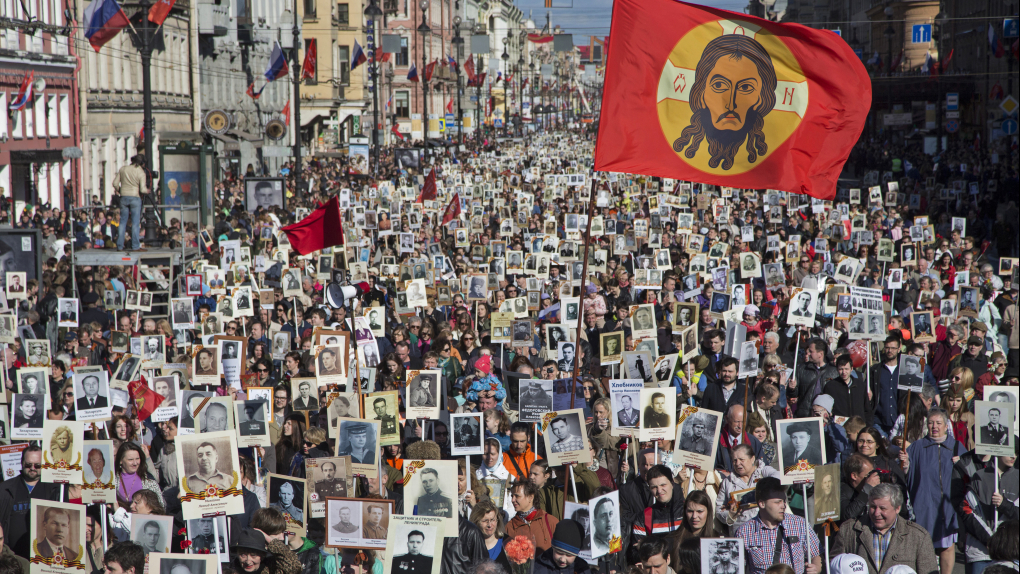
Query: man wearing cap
[(906, 543), (357, 444), (801, 444), (697, 441), (562, 557), (775, 537), (251, 425)]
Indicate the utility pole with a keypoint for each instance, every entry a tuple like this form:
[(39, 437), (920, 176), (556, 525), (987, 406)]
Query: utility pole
[(296, 108), (374, 12), (145, 35), (424, 30)]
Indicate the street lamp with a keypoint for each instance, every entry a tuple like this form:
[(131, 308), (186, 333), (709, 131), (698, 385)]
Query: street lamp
[(459, 43), (939, 29), (531, 97), (506, 91), (373, 12), (423, 31)]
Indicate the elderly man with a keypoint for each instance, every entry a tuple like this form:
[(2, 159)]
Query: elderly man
[(208, 473), (928, 463), (905, 543)]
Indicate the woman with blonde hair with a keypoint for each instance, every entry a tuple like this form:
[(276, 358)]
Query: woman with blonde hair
[(489, 520)]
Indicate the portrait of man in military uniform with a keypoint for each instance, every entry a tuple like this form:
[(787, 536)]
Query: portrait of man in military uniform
[(330, 484), (432, 501), (344, 524), (357, 440), (387, 420), (696, 434), (202, 534), (251, 414), (414, 561), (287, 496), (375, 527)]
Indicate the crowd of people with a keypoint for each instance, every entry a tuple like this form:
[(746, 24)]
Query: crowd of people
[(780, 337)]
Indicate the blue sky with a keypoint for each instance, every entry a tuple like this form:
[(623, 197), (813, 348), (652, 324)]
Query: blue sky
[(592, 17)]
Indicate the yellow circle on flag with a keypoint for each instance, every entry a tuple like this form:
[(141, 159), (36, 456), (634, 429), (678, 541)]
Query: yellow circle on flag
[(729, 95)]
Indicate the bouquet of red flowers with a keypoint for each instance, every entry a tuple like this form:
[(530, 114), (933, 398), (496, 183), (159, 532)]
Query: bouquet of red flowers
[(521, 552)]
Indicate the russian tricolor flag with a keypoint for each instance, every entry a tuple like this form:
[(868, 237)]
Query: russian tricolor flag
[(412, 74), (24, 93), (277, 64), (103, 20), (359, 56)]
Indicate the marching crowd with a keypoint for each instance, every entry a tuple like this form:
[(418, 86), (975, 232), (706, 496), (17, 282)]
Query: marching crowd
[(911, 494)]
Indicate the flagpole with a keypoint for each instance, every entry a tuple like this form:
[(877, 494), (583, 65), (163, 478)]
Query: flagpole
[(296, 108)]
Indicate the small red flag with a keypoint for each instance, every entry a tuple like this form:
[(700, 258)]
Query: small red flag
[(322, 228), (396, 132), (429, 69), (286, 113), (452, 210), (160, 10), (311, 60), (449, 106), (717, 97), (469, 69), (145, 399)]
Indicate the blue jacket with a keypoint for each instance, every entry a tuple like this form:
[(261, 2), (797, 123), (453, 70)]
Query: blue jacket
[(886, 397)]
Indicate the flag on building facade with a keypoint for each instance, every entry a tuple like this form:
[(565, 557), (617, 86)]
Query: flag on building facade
[(160, 10), (104, 19), (430, 68), (252, 93), (412, 74), (277, 67), (995, 43), (397, 133), (311, 60), (286, 113), (24, 92), (776, 116), (359, 57)]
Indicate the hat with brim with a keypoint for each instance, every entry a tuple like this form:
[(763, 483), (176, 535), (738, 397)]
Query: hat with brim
[(250, 540)]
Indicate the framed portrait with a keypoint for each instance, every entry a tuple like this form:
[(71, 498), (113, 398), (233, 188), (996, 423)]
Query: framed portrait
[(801, 448), (163, 563), (206, 366), (658, 412), (1004, 394), (62, 451), (207, 534), (153, 533), (264, 192), (921, 327), (29, 411), (638, 365), (183, 313), (92, 395), (209, 471), (305, 393), (329, 370), (252, 424), (359, 523), (57, 532), (612, 348), (803, 307), (827, 486), (414, 544), (994, 422), (287, 495), (664, 367), (37, 352), (328, 477), (604, 536), (153, 351), (467, 433), (97, 472), (67, 312), (422, 399), (643, 321), (359, 440), (625, 401), (212, 414), (431, 487), (382, 407), (698, 431), (565, 438), (722, 555)]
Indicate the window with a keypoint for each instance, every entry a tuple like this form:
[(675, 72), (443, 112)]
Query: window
[(402, 55), (401, 104), (309, 8), (343, 14), (343, 56)]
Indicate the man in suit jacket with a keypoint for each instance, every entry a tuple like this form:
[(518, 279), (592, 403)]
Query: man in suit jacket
[(91, 400), (993, 432), (55, 535), (628, 415), (711, 347)]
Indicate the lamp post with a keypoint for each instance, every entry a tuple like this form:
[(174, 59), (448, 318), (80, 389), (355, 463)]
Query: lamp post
[(373, 13), (889, 34), (296, 108), (459, 43), (520, 81), (939, 28), (423, 31), (531, 95), (506, 91), (144, 36)]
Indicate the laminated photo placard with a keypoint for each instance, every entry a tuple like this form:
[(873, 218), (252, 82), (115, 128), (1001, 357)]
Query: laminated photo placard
[(57, 534), (62, 451), (209, 474)]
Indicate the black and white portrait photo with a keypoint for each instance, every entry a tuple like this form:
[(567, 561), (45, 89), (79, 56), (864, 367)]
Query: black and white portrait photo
[(357, 439), (152, 533), (910, 374), (994, 428), (698, 435), (288, 496), (264, 193), (565, 438), (467, 433), (722, 555), (535, 399), (801, 447), (423, 394), (605, 522)]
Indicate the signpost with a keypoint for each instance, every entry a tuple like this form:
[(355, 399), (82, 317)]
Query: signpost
[(1010, 28), (952, 126), (953, 101), (1009, 127)]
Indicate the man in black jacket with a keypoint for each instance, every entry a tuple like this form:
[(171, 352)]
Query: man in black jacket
[(850, 396), (812, 374), (859, 477), (726, 392), (711, 346), (15, 499)]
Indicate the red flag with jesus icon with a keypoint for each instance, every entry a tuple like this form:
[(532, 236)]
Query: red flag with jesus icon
[(717, 97)]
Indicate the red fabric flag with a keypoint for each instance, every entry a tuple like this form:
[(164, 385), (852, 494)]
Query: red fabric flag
[(449, 106), (428, 191), (322, 228), (785, 105), (539, 38), (429, 68), (452, 210), (146, 400), (469, 69), (311, 60), (397, 133), (286, 113), (160, 10)]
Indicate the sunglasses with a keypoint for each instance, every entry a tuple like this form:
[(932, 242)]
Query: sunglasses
[(309, 444), (32, 465), (262, 370)]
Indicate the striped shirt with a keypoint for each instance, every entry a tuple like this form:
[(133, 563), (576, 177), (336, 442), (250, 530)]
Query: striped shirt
[(760, 543)]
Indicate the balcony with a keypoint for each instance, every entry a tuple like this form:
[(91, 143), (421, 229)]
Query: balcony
[(391, 6)]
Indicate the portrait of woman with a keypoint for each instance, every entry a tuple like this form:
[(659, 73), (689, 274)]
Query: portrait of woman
[(62, 445)]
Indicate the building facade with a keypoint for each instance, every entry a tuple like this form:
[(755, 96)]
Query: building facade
[(34, 166)]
